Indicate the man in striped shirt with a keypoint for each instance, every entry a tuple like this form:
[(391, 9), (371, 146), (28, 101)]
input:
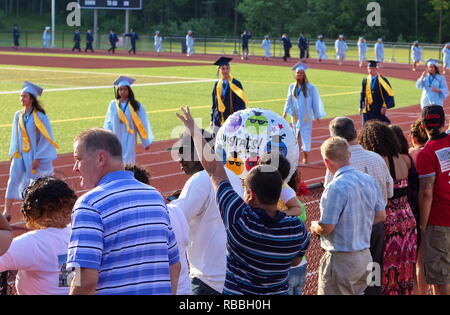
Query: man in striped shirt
[(263, 243), (122, 242)]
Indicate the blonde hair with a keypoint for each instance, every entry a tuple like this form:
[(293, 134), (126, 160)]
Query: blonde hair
[(336, 150)]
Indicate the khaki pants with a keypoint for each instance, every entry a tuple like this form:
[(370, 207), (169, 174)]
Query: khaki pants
[(344, 273)]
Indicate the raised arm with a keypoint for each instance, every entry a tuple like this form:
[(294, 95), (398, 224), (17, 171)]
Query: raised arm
[(212, 166)]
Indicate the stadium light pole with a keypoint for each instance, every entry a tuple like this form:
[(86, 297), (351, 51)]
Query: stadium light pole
[(53, 23)]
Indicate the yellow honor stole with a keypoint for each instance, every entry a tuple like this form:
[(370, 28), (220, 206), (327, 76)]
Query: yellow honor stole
[(136, 120), (26, 140), (294, 97), (369, 96), (236, 90)]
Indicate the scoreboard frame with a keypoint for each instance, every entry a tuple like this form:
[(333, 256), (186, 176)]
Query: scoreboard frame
[(103, 6)]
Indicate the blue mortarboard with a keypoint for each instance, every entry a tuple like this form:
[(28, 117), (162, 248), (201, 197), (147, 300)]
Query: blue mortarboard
[(416, 42), (300, 67), (432, 61), (320, 36), (157, 32), (35, 90), (223, 61), (124, 81), (373, 63)]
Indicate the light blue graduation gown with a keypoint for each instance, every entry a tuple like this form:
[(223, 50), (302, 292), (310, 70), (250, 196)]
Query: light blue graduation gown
[(446, 57), (362, 51), (128, 141), (416, 53), (158, 43), (341, 49), (266, 45), (190, 45), (379, 51), (321, 49), (20, 175), (305, 109), (46, 37), (428, 96)]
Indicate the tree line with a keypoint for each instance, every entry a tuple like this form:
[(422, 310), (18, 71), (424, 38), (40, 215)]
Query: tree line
[(401, 20)]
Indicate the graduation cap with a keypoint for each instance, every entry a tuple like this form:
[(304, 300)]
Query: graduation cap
[(47, 28), (416, 42), (373, 63), (32, 89), (157, 32), (320, 36), (124, 81), (432, 62), (223, 61), (300, 67)]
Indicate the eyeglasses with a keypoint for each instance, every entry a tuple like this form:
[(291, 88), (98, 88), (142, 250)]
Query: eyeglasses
[(238, 164), (260, 122)]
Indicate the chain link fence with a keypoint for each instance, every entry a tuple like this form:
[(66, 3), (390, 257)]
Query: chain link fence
[(394, 52)]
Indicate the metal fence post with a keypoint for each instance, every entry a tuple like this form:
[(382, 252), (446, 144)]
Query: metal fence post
[(170, 44), (205, 46)]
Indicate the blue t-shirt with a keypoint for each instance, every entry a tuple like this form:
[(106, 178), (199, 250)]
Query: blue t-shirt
[(261, 249), (122, 229)]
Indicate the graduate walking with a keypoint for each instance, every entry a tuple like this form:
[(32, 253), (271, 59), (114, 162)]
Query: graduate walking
[(32, 148), (433, 85), (157, 41), (446, 57), (321, 49), (341, 49), (46, 37), (89, 41), (362, 51), (134, 37), (303, 104), (416, 54), (287, 45), (379, 52), (127, 119), (76, 41), (228, 95), (16, 36), (190, 43), (377, 95), (266, 45), (113, 39)]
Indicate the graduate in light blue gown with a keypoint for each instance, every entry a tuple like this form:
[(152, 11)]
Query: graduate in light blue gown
[(158, 42), (32, 148), (303, 104), (266, 45), (321, 49), (190, 43), (379, 52), (446, 57), (127, 119), (416, 54), (46, 37), (341, 49), (434, 85), (362, 51)]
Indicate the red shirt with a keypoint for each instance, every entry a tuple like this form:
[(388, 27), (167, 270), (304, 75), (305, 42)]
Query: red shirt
[(434, 160)]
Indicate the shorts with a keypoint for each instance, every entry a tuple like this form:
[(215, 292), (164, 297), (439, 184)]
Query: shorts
[(436, 251)]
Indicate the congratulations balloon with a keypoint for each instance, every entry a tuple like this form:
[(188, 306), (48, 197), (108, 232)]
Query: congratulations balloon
[(247, 135)]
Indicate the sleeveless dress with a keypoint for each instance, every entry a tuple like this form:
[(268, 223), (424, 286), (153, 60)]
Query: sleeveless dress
[(400, 253)]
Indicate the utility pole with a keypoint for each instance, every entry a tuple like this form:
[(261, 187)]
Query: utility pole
[(440, 21), (53, 23), (417, 19)]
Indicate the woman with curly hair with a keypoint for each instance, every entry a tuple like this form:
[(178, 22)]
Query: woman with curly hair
[(400, 252), (41, 254)]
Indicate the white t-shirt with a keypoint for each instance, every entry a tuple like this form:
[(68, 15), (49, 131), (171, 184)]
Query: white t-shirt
[(207, 247), (181, 230), (287, 193), (40, 257)]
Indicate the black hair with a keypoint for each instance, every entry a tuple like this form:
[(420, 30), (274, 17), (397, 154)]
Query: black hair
[(379, 138), (140, 173), (36, 104), (131, 98), (404, 146), (266, 183), (279, 161)]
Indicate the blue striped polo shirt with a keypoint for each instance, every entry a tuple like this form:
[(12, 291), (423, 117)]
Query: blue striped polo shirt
[(122, 229), (261, 249)]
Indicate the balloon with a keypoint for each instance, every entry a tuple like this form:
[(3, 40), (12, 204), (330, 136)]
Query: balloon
[(248, 134)]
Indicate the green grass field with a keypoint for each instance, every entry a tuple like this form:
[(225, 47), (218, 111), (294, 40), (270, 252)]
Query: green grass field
[(72, 111)]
